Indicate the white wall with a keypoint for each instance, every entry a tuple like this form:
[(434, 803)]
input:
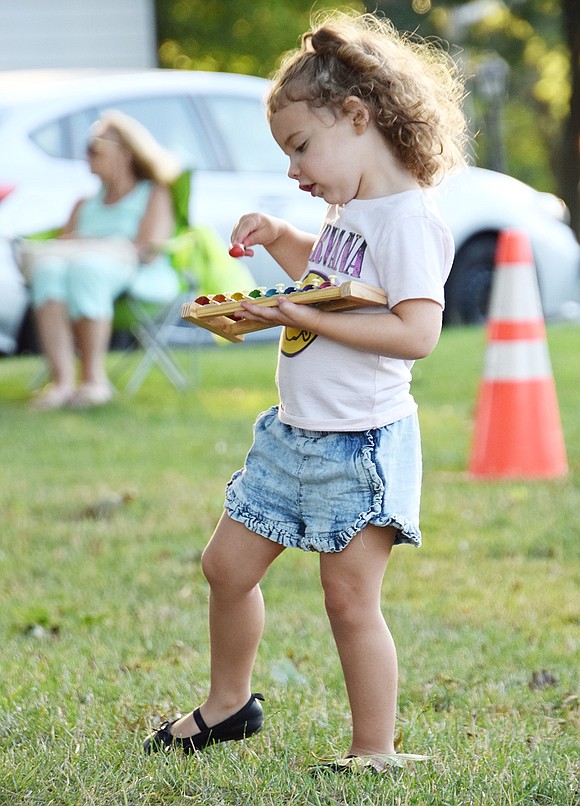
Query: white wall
[(77, 33)]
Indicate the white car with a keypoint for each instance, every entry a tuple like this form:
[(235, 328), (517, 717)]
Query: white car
[(477, 204), (215, 124)]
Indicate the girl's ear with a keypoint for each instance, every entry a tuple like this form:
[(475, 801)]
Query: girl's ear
[(357, 111)]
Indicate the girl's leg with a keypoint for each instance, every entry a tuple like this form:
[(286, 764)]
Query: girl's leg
[(352, 581), (234, 562)]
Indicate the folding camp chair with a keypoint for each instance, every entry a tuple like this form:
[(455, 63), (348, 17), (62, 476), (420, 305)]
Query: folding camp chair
[(204, 266), (153, 326), (155, 330)]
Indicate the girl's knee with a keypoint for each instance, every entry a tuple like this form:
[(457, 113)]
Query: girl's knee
[(217, 570), (348, 602), (339, 600), (230, 569), (209, 565)]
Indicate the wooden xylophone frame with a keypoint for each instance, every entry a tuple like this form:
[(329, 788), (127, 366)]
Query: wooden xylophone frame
[(216, 316)]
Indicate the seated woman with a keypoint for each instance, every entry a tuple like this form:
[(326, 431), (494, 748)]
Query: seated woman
[(73, 294)]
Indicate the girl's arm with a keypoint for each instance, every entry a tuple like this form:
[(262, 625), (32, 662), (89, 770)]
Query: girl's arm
[(289, 246), (410, 331)]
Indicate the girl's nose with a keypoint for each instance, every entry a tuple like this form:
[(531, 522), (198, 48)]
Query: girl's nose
[(293, 170)]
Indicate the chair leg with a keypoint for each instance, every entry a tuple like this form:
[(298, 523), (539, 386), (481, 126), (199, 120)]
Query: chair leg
[(154, 354), (154, 335), (39, 378)]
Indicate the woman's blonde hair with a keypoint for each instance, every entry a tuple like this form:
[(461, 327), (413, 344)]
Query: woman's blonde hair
[(411, 87), (150, 160)]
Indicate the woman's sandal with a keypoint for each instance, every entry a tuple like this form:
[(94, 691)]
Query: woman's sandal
[(89, 395), (52, 397), (245, 722), (375, 764)]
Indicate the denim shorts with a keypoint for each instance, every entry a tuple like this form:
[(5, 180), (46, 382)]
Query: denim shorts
[(315, 490)]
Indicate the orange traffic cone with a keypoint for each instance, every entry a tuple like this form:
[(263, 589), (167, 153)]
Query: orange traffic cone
[(518, 433)]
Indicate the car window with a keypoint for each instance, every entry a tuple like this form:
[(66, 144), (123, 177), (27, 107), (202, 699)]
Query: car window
[(173, 121), (243, 126), (77, 129), (65, 137), (50, 139)]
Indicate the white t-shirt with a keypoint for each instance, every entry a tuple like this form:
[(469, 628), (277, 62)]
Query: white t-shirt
[(398, 243)]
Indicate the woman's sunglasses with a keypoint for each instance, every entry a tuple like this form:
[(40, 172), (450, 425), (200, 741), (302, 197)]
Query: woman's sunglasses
[(98, 145)]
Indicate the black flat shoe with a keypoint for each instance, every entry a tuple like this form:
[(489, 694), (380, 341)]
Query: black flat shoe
[(247, 721)]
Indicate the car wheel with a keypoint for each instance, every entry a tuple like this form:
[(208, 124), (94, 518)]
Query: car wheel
[(468, 288)]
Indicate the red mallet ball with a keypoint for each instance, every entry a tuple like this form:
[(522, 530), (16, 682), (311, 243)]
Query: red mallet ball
[(237, 250)]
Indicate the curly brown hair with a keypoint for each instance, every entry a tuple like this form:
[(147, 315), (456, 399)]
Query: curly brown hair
[(411, 87)]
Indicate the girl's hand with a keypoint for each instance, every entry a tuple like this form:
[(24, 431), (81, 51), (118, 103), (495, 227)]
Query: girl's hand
[(251, 229), (286, 313), (410, 331), (290, 247)]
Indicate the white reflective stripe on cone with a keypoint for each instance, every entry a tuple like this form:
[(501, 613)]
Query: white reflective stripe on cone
[(515, 293), (517, 361)]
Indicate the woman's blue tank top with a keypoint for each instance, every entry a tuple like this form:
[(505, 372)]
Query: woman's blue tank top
[(99, 220)]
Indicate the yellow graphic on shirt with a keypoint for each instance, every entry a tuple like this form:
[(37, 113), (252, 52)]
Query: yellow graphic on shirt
[(293, 341)]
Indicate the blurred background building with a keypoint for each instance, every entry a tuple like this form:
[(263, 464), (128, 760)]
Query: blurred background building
[(77, 33)]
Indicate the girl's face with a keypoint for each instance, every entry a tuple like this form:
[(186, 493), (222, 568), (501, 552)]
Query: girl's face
[(328, 155)]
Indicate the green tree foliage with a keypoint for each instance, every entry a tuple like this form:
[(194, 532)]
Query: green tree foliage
[(536, 119), (540, 110), (240, 36), (570, 166)]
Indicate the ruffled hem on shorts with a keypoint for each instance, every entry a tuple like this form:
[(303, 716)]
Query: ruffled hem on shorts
[(279, 533)]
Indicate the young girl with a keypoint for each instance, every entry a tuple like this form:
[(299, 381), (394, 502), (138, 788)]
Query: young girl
[(368, 121)]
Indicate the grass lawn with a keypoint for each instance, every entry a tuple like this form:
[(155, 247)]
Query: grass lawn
[(103, 619)]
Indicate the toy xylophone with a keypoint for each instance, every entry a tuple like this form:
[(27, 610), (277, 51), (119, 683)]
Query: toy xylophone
[(217, 312)]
